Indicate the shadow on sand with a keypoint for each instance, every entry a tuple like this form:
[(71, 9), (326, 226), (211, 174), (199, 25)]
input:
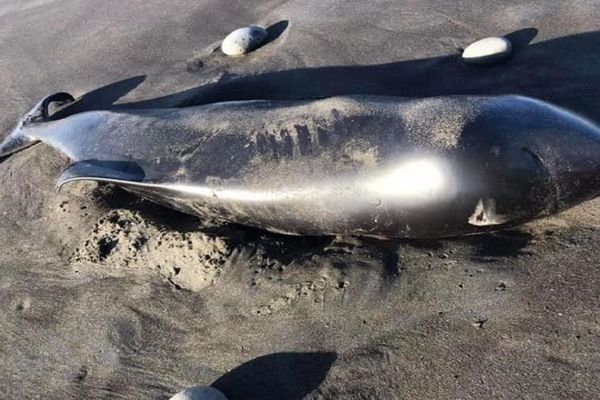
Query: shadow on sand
[(565, 71), (289, 376)]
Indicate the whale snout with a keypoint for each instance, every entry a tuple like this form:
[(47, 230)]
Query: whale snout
[(547, 159), (14, 142), (572, 158), (577, 174)]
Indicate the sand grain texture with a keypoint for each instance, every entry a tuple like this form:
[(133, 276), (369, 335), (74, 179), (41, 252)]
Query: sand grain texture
[(104, 295)]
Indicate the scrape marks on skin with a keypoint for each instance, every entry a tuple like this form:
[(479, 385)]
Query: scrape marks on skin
[(290, 140)]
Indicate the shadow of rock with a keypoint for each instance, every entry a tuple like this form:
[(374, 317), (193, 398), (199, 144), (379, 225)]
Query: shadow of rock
[(285, 376), (569, 63), (275, 30), (521, 39)]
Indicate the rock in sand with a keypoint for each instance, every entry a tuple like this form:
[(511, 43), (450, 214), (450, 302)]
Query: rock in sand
[(487, 51), (199, 393), (243, 40)]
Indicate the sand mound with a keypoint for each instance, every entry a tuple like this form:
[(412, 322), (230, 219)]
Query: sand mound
[(124, 240)]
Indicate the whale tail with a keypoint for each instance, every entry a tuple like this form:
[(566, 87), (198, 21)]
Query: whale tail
[(22, 136)]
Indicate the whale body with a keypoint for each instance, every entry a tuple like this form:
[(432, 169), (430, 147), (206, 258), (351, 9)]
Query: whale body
[(352, 165)]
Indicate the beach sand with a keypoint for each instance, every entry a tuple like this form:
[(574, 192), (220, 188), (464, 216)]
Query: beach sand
[(104, 295)]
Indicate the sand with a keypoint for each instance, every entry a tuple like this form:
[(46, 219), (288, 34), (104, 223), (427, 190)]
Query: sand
[(104, 295)]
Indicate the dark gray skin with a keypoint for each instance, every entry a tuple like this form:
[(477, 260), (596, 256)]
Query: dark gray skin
[(354, 165)]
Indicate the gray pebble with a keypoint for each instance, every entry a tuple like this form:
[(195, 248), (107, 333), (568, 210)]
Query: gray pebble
[(487, 51), (243, 40), (199, 393)]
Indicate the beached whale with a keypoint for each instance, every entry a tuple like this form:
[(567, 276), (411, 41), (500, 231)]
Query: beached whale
[(364, 165)]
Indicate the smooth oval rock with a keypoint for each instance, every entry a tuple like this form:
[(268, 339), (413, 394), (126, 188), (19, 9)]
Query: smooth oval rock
[(487, 51), (243, 40), (199, 393)]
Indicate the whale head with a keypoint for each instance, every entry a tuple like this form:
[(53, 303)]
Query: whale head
[(569, 149), (553, 153)]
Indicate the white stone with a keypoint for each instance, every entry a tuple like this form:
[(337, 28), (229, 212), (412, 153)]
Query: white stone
[(487, 50), (199, 393), (243, 40)]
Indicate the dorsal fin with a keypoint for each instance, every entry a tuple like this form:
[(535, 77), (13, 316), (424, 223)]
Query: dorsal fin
[(102, 171)]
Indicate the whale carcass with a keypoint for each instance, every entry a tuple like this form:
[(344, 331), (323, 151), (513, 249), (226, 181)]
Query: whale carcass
[(364, 165)]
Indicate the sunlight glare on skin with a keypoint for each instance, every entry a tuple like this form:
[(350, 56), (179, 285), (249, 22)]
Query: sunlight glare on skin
[(420, 179), (414, 180), (230, 194)]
